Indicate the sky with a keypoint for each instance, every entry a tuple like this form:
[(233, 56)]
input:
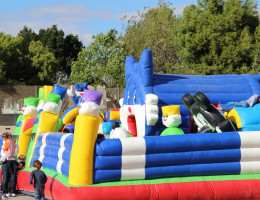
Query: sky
[(79, 17)]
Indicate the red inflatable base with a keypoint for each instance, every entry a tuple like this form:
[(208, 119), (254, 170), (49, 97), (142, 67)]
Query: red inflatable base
[(235, 189)]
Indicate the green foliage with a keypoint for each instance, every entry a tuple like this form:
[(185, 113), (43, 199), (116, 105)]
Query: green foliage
[(37, 59), (44, 65), (101, 63), (28, 36), (64, 48), (217, 37), (256, 63), (72, 46), (12, 59), (213, 37), (155, 29), (20, 64), (53, 39)]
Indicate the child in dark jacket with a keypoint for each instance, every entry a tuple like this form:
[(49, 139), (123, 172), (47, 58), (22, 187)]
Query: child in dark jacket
[(38, 179)]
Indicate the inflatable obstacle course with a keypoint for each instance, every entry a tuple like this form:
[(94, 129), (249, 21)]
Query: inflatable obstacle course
[(149, 166)]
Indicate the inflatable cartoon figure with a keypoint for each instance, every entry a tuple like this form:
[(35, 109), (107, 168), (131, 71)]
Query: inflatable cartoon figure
[(78, 92), (30, 106), (29, 115), (73, 111), (49, 120), (85, 135), (52, 104), (171, 118)]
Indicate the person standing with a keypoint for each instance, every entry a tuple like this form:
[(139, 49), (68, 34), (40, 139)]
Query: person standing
[(8, 150), (13, 169), (38, 179)]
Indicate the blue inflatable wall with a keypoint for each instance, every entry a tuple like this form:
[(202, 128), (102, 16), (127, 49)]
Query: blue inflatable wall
[(53, 150), (175, 156), (140, 80), (139, 158)]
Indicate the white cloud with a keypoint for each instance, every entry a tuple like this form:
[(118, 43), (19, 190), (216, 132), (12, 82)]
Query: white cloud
[(178, 11), (68, 17), (71, 18), (66, 13), (87, 38)]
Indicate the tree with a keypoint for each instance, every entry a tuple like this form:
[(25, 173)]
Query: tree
[(12, 60), (2, 72), (53, 39), (256, 63), (101, 63), (217, 37), (28, 36), (155, 29), (65, 49), (72, 46), (44, 65)]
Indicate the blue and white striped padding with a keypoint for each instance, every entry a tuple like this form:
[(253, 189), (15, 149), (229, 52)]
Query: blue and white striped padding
[(173, 156), (53, 149)]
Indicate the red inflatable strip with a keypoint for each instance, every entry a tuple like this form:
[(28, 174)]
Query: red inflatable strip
[(233, 189), (29, 123)]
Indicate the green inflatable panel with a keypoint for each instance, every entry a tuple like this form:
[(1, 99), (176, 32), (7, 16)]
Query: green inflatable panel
[(36, 123), (18, 125), (172, 131)]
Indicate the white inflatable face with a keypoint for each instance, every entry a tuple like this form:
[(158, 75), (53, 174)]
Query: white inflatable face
[(118, 133), (51, 107), (30, 111), (89, 108), (78, 93), (172, 121), (40, 106)]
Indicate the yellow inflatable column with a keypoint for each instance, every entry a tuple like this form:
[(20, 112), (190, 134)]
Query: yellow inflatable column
[(24, 137), (46, 91), (85, 135), (81, 161)]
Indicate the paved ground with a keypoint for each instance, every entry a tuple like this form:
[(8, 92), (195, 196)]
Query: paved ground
[(21, 197)]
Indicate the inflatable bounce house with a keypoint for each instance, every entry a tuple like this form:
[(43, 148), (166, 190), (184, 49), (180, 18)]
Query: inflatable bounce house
[(164, 158)]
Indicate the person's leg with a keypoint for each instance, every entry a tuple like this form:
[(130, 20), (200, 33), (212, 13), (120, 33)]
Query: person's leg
[(226, 109), (241, 104), (6, 176), (13, 172), (42, 196), (36, 194)]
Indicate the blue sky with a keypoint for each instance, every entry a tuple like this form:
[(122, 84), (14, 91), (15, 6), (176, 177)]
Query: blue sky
[(79, 17)]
